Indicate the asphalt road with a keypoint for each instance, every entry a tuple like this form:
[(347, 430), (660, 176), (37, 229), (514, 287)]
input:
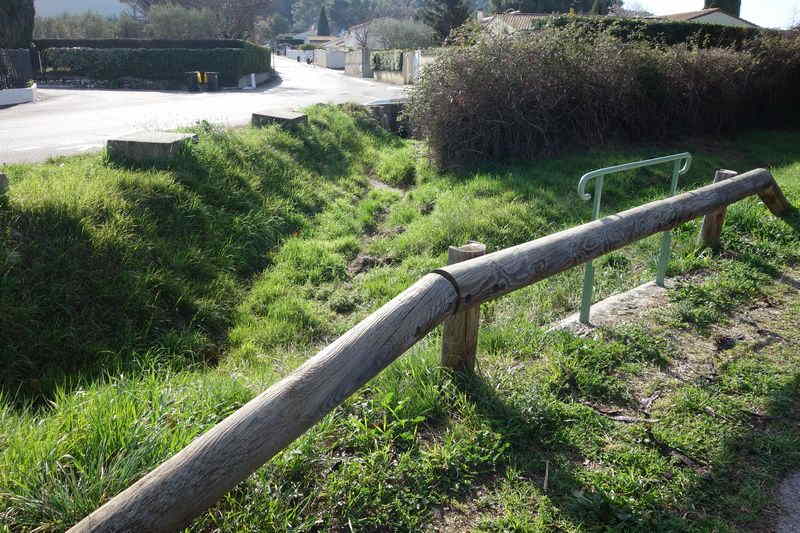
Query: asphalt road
[(67, 121)]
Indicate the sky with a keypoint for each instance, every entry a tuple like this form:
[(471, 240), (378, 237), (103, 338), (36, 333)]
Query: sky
[(767, 13), (56, 7)]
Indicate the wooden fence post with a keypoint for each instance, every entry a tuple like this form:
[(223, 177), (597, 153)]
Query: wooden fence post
[(774, 199), (711, 229), (460, 334)]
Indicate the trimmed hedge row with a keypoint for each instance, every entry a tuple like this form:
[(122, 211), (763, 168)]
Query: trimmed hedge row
[(15, 68), (158, 64), (204, 44), (387, 60), (658, 31), (561, 89)]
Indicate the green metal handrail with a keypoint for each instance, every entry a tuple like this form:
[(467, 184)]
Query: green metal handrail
[(666, 240)]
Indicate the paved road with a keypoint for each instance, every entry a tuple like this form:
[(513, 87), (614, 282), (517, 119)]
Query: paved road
[(69, 122)]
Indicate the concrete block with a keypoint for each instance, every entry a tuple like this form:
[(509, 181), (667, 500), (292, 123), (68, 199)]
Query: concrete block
[(148, 146), (285, 119), (388, 114), (246, 81), (10, 97)]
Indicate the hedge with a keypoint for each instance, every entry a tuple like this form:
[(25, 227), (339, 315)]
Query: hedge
[(558, 90), (158, 64), (204, 44), (658, 31), (15, 68), (387, 60)]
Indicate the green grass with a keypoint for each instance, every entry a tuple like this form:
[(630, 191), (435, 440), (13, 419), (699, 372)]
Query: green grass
[(141, 307)]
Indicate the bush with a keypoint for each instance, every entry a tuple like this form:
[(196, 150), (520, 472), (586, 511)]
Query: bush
[(158, 64), (15, 68), (200, 44), (657, 31), (559, 89), (391, 60)]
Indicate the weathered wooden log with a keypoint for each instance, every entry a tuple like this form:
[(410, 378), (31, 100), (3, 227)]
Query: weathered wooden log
[(774, 199), (170, 496), (507, 270), (711, 230), (460, 331)]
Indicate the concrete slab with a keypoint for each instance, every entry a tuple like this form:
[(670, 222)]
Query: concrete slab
[(285, 119), (619, 308), (387, 113), (148, 146), (789, 500)]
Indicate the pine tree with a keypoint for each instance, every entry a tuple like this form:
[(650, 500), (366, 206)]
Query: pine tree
[(444, 15), (284, 8), (323, 28), (731, 7), (16, 23)]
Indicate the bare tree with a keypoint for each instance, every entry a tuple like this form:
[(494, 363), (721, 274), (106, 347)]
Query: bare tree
[(361, 34), (630, 10)]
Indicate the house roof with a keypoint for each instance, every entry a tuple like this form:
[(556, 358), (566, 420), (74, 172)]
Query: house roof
[(689, 15), (518, 21), (693, 15), (336, 43)]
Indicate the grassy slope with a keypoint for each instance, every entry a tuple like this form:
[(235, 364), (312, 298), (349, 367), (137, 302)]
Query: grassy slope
[(415, 439)]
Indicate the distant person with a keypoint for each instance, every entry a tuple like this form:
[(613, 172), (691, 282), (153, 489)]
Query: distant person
[(308, 60), (298, 59)]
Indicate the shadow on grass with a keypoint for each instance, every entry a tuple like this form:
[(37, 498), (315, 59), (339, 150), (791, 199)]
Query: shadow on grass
[(153, 277), (733, 492)]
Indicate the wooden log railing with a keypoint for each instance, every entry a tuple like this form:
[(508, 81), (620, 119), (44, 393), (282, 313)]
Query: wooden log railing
[(190, 482)]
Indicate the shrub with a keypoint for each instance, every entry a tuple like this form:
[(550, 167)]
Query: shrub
[(657, 31), (202, 44), (158, 64), (391, 60), (559, 89), (15, 68)]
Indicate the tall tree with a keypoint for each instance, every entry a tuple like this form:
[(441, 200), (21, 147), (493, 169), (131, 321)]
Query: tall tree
[(284, 8), (305, 13), (235, 18), (16, 23), (731, 7), (323, 28), (341, 14), (444, 15)]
